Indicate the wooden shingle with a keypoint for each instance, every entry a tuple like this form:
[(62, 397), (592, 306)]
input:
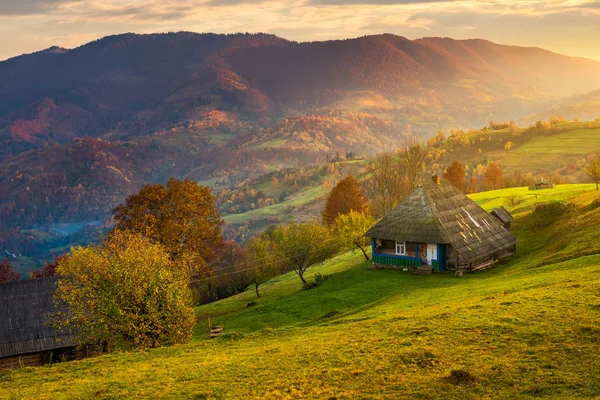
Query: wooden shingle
[(25, 308)]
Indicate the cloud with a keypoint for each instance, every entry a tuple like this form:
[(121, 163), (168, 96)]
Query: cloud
[(29, 7), (377, 2), (145, 12), (334, 2), (594, 5)]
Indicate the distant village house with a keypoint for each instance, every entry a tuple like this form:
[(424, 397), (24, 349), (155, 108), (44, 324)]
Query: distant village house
[(541, 183)]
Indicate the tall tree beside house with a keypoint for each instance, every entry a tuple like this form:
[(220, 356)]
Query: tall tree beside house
[(7, 273), (386, 183), (351, 228), (413, 158), (346, 196), (182, 217), (302, 245), (261, 262), (126, 291), (593, 169), (493, 176), (455, 173)]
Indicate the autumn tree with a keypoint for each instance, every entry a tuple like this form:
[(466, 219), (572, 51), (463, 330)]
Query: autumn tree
[(227, 274), (432, 141), (387, 183), (127, 292), (440, 136), (7, 273), (455, 173), (343, 198), (302, 245), (49, 268), (262, 263), (413, 160), (182, 217), (351, 227), (593, 169), (493, 175)]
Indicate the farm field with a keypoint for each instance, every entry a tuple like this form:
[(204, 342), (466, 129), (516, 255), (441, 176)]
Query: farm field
[(275, 210), (577, 141), (526, 329)]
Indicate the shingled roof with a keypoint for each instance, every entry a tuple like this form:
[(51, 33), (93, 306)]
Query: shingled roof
[(442, 214), (24, 310), (502, 214)]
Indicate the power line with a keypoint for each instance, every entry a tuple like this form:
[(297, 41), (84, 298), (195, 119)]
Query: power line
[(390, 222), (281, 259)]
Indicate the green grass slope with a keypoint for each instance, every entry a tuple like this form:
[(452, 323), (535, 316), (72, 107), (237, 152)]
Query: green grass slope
[(528, 328), (553, 149)]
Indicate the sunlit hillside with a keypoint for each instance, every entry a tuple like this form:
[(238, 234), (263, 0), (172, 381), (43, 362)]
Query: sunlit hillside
[(526, 329)]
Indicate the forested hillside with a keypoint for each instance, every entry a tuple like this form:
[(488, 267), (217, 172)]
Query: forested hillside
[(82, 128)]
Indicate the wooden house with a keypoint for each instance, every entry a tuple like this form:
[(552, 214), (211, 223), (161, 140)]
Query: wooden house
[(439, 226), (503, 216), (542, 183), (26, 336)]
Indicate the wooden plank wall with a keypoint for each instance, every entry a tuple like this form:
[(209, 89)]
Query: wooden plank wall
[(46, 357)]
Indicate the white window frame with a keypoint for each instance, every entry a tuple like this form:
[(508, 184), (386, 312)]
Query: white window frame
[(401, 248)]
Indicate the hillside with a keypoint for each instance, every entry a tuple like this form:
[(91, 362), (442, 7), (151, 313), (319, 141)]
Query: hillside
[(82, 128), (525, 329), (557, 152), (582, 106)]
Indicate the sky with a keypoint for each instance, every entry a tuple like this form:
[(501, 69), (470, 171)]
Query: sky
[(569, 27)]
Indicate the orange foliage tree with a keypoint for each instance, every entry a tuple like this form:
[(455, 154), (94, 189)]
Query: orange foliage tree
[(455, 173), (49, 268), (346, 196), (182, 217), (7, 273), (493, 175)]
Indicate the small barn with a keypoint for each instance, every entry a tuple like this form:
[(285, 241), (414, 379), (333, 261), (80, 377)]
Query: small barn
[(26, 337), (439, 226), (542, 183), (503, 216)]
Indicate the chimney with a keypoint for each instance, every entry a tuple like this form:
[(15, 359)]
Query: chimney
[(436, 179)]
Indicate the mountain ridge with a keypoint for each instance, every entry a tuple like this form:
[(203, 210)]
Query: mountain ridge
[(81, 128)]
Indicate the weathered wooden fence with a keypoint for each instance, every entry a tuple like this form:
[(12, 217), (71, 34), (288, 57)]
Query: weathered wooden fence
[(214, 331)]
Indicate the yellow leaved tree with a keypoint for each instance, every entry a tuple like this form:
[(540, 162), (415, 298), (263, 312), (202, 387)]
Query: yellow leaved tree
[(125, 292)]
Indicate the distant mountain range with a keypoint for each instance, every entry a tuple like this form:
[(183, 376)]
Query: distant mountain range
[(81, 128), (129, 85)]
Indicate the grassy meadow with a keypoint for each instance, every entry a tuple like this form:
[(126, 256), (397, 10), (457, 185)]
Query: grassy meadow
[(527, 329)]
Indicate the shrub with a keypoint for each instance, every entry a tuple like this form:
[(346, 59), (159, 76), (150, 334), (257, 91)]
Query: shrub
[(317, 280), (515, 199), (461, 377), (593, 205), (546, 214)]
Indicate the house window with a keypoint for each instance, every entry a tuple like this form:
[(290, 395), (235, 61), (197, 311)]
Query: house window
[(401, 248)]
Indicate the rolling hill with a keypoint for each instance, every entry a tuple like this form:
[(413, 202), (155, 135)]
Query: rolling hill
[(584, 107), (526, 329), (82, 128)]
